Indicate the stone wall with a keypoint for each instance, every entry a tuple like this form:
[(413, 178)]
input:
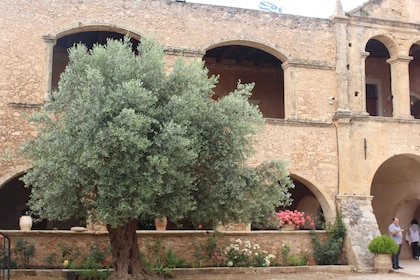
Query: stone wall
[(181, 242), (361, 227)]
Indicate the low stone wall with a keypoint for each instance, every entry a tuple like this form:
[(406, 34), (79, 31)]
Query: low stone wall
[(180, 241)]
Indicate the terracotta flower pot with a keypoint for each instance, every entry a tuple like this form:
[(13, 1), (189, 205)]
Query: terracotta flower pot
[(383, 263), (161, 223), (234, 227), (288, 227)]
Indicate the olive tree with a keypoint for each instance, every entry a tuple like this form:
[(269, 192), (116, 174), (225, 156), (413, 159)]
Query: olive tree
[(124, 140)]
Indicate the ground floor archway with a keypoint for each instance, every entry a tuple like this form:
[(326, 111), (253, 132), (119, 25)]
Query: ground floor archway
[(13, 204), (396, 193)]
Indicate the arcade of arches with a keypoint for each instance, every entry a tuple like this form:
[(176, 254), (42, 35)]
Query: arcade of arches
[(14, 195), (248, 64)]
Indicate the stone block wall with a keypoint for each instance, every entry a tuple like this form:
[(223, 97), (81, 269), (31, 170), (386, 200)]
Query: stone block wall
[(181, 242)]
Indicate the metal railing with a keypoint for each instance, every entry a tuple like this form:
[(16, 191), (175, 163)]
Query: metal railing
[(4, 257)]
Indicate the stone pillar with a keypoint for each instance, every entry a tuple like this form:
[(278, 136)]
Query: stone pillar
[(50, 41), (290, 106), (400, 86), (362, 93), (342, 65), (361, 227)]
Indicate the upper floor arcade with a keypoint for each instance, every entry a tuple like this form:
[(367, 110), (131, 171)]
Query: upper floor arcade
[(385, 83)]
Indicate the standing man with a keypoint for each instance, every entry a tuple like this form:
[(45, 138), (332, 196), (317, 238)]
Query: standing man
[(397, 234)]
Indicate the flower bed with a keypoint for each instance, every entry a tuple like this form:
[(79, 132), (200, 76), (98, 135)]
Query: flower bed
[(196, 248)]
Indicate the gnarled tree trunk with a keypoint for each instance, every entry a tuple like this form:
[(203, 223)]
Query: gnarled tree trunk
[(126, 260)]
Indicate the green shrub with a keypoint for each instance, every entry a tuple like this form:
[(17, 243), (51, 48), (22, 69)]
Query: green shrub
[(162, 260), (23, 251), (208, 250), (51, 260), (328, 252), (383, 245), (173, 261), (285, 250)]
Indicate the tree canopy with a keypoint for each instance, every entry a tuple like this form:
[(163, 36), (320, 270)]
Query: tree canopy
[(124, 139)]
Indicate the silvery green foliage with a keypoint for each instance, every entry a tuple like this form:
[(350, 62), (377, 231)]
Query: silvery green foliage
[(124, 140)]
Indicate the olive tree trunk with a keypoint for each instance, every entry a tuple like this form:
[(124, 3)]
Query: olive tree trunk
[(126, 261)]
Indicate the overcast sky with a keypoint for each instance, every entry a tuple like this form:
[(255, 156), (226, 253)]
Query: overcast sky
[(310, 8)]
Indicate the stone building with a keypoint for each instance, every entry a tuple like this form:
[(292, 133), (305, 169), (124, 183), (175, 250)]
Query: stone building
[(340, 95)]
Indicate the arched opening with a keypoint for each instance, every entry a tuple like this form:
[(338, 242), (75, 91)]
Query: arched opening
[(415, 105), (414, 72), (13, 204), (378, 80), (88, 38), (249, 65), (304, 200), (396, 193)]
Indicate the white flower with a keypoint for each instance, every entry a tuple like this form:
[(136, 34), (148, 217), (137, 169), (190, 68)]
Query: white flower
[(248, 244), (256, 247), (239, 241), (247, 251), (230, 263)]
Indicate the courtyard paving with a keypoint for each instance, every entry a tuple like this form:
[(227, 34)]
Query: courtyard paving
[(411, 271)]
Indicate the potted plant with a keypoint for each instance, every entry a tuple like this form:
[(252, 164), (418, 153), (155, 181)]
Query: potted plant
[(161, 223), (383, 246), (291, 220)]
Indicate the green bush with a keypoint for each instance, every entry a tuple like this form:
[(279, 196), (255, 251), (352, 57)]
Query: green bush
[(328, 252), (24, 251), (383, 245)]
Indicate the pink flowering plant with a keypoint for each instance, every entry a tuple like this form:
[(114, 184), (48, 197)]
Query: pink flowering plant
[(294, 217)]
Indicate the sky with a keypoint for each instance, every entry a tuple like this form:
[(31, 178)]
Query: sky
[(309, 8)]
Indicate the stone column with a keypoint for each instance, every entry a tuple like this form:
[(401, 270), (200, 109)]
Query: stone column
[(50, 41), (362, 93), (342, 65), (400, 86), (361, 228), (290, 106)]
